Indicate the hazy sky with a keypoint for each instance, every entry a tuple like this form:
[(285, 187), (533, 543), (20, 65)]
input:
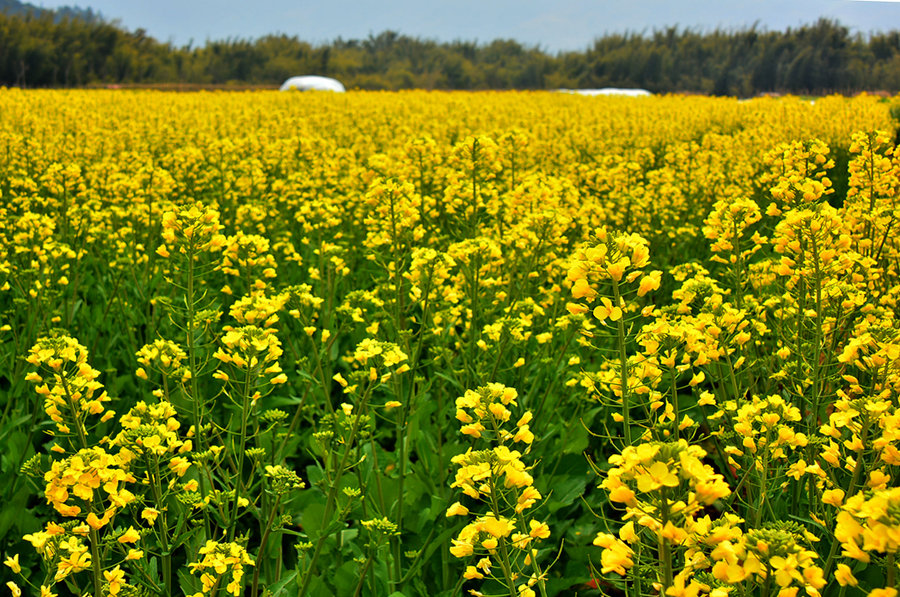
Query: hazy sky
[(552, 25)]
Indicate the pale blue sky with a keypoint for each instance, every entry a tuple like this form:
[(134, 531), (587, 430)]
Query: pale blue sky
[(552, 25)]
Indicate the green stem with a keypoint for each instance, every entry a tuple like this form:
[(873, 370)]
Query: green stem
[(96, 564), (818, 349), (623, 367), (891, 570), (331, 499), (239, 481), (763, 487), (665, 553), (674, 399), (76, 416), (194, 398), (164, 535), (262, 545), (535, 567), (362, 574), (495, 510), (401, 472), (851, 490)]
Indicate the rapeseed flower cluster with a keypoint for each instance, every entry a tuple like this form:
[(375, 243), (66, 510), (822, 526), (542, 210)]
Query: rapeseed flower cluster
[(766, 428), (868, 522), (663, 487), (152, 429), (164, 357), (777, 558), (503, 537), (258, 309), (72, 394), (379, 361), (614, 259), (249, 354), (798, 170), (246, 257), (191, 231), (222, 565), (79, 479)]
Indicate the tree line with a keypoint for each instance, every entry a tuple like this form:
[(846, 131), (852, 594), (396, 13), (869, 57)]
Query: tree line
[(43, 50)]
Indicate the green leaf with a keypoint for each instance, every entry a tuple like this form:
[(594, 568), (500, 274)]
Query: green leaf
[(318, 588), (13, 511), (13, 450), (189, 584), (565, 489), (348, 536), (346, 578), (441, 541), (312, 519), (278, 401), (191, 535), (453, 381), (576, 440), (280, 588), (314, 475), (16, 442)]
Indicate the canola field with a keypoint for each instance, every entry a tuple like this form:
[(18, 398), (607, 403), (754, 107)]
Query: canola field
[(410, 344)]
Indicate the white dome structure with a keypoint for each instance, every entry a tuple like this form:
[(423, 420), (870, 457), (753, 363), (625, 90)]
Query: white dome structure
[(609, 91), (313, 83)]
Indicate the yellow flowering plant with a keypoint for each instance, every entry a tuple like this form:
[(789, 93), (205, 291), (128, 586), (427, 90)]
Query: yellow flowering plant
[(502, 536), (339, 437), (383, 253), (798, 172), (87, 483), (223, 564), (663, 488), (617, 262), (192, 236)]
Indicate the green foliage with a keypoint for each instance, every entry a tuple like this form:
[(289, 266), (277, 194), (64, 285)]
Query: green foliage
[(46, 49)]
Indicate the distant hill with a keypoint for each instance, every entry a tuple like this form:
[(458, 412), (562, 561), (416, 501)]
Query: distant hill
[(14, 7)]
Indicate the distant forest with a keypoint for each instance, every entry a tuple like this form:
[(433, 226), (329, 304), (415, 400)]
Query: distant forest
[(45, 49)]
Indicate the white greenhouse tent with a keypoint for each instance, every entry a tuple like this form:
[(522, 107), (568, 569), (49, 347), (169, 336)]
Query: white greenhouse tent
[(609, 91), (313, 83)]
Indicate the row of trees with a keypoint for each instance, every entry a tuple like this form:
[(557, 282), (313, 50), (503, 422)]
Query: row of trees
[(41, 50)]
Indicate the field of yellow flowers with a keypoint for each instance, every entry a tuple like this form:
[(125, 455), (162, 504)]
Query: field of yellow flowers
[(409, 344)]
